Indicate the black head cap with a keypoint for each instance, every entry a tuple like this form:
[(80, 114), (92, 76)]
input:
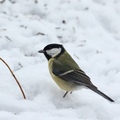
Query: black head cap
[(52, 50)]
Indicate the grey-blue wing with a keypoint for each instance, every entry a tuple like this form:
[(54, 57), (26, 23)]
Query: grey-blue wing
[(67, 73), (79, 77), (76, 76)]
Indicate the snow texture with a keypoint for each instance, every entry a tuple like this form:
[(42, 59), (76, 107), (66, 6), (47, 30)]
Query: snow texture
[(90, 32)]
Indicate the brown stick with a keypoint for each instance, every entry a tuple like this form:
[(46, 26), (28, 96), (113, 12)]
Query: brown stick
[(14, 78)]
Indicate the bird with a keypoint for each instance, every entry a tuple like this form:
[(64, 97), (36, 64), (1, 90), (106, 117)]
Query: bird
[(66, 72)]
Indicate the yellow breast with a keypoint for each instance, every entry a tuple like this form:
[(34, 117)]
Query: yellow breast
[(67, 86)]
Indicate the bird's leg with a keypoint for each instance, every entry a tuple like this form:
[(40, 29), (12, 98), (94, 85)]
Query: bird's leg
[(71, 92), (65, 94)]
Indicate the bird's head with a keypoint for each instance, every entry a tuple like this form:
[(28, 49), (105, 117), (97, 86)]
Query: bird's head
[(52, 50)]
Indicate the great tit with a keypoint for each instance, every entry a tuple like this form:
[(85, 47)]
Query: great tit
[(66, 72)]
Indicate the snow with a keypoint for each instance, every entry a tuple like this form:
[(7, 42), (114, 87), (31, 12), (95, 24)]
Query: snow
[(90, 32)]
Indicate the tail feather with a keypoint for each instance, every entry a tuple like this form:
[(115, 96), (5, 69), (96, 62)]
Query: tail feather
[(93, 88)]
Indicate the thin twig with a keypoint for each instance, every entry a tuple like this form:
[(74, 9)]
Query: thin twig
[(14, 78)]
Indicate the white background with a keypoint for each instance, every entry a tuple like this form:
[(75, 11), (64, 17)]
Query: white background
[(90, 32)]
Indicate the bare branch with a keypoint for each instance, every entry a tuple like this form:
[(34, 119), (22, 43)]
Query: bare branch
[(14, 78)]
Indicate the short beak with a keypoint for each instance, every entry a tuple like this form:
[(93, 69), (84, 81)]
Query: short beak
[(41, 51)]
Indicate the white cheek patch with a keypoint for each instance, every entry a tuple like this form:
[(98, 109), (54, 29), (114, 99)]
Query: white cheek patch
[(53, 52)]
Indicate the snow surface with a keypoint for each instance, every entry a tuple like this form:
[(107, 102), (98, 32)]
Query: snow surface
[(88, 29)]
